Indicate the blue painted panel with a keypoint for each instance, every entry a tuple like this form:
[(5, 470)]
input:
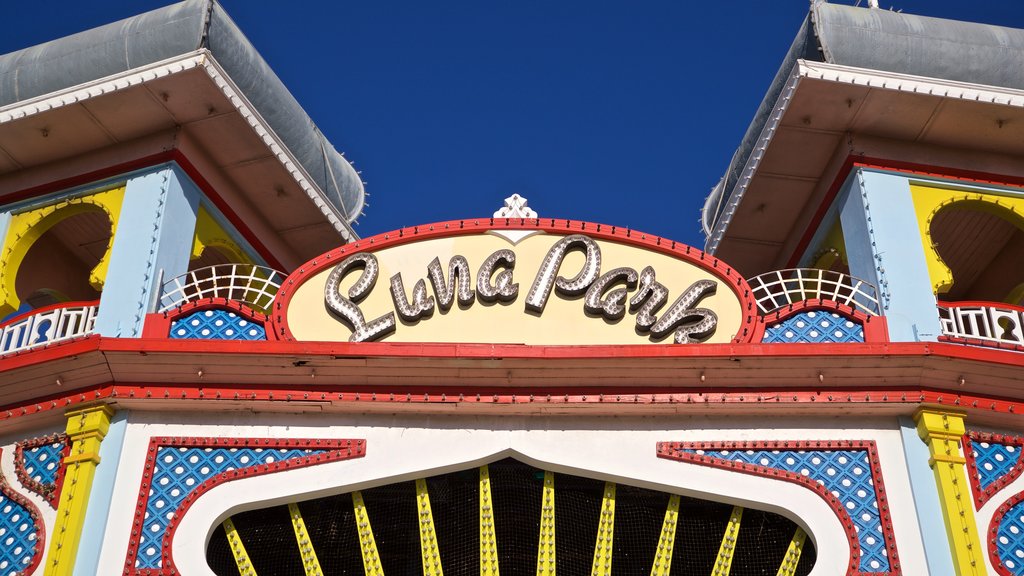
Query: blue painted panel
[(844, 473), (926, 502), (159, 213), (1010, 540), (42, 462), (815, 326), (884, 246), (179, 471), (95, 526), (994, 460), (18, 537), (217, 325)]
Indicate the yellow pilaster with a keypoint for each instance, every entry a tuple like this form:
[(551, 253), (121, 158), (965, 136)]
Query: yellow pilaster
[(367, 544), (86, 428), (488, 540), (310, 563), (792, 558), (428, 536), (723, 563), (602, 565), (666, 542), (546, 542), (238, 550), (941, 430)]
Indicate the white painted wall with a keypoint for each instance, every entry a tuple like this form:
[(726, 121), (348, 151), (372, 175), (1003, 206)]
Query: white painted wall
[(408, 447)]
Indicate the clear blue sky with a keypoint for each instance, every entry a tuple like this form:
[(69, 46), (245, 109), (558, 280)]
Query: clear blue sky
[(618, 112)]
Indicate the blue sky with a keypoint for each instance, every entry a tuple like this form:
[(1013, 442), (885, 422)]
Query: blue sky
[(618, 112)]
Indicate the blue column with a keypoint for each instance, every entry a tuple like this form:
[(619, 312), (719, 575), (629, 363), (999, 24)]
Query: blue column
[(884, 247), (926, 502), (93, 531), (154, 237)]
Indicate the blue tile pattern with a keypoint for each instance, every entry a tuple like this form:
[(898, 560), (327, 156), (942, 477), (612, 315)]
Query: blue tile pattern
[(993, 460), (1010, 540), (180, 470), (217, 325), (17, 537), (42, 462), (815, 326), (844, 473)]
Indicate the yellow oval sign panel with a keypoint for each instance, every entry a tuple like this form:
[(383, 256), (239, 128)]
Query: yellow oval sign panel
[(516, 285)]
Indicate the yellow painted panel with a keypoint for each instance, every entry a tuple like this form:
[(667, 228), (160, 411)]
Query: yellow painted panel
[(488, 539), (27, 227), (603, 547), (723, 563), (238, 550), (666, 542), (210, 234), (546, 542), (310, 563), (430, 553)]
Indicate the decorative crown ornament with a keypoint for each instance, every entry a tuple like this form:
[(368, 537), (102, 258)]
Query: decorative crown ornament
[(515, 207)]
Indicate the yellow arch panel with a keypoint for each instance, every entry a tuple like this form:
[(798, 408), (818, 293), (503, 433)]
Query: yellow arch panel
[(929, 200), (27, 227), (210, 234)]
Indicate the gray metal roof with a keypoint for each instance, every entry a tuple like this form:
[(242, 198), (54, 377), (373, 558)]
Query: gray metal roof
[(889, 41), (172, 31)]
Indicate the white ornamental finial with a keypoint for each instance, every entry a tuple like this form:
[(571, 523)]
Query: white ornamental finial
[(515, 207)]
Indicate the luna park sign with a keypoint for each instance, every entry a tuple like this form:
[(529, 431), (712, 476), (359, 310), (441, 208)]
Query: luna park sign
[(515, 284)]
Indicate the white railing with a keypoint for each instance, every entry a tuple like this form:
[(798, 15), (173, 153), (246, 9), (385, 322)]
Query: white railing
[(46, 326), (988, 321), (252, 285), (774, 290)]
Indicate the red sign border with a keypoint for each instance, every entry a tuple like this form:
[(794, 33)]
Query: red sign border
[(737, 283)]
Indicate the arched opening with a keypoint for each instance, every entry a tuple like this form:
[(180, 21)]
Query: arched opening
[(982, 244), (58, 266), (520, 503)]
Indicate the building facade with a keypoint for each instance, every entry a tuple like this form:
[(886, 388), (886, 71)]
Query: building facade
[(204, 370)]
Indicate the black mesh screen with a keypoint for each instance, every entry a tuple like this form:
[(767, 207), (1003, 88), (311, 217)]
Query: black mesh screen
[(455, 506), (516, 492)]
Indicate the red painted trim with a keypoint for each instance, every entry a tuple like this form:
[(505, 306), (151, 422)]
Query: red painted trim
[(688, 254), (982, 496), (158, 325), (340, 449), (51, 495), (911, 168), (674, 451), (982, 342), (23, 315), (875, 330), (40, 543), (980, 304), (367, 395), (993, 534), (153, 160)]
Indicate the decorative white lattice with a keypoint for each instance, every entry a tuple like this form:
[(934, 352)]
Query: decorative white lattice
[(47, 326), (252, 285), (992, 323), (774, 290)]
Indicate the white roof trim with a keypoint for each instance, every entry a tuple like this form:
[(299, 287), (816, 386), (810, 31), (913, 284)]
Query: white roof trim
[(861, 77), (197, 59)]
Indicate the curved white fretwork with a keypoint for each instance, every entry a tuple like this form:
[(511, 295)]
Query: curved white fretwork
[(249, 284), (774, 290)]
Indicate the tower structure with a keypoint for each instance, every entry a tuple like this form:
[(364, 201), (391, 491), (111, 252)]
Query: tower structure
[(205, 371)]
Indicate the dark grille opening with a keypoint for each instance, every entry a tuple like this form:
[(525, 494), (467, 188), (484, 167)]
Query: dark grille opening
[(331, 524), (639, 515), (698, 535), (516, 493), (455, 506), (577, 511), (395, 523)]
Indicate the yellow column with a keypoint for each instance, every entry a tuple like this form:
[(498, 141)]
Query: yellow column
[(367, 544), (941, 430), (792, 558), (86, 429), (238, 549), (488, 540), (428, 536), (602, 565), (666, 542), (546, 542), (723, 563), (310, 563)]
